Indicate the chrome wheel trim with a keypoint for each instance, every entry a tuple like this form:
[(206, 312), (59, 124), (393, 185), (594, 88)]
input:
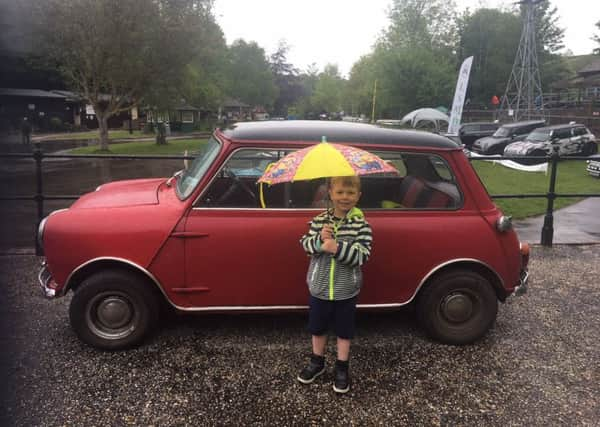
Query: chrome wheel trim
[(458, 307), (111, 315)]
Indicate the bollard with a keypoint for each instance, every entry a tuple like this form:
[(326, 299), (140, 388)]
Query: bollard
[(38, 155), (548, 228)]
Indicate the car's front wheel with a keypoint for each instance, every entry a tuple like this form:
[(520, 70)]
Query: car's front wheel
[(457, 307), (113, 310)]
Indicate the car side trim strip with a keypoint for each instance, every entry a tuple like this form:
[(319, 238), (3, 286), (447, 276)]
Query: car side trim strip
[(276, 307)]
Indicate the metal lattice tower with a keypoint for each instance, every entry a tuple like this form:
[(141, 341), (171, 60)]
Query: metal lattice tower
[(523, 93)]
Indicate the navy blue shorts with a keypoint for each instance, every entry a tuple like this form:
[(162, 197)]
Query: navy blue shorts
[(339, 315)]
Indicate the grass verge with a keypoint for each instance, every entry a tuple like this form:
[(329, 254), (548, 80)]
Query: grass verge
[(571, 177), (95, 134)]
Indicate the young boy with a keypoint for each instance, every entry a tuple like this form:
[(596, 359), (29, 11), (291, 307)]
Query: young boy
[(339, 243)]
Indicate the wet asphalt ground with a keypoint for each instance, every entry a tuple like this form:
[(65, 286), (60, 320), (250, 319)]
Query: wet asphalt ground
[(539, 365)]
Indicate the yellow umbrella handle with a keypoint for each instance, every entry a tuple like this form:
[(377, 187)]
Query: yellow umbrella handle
[(260, 186)]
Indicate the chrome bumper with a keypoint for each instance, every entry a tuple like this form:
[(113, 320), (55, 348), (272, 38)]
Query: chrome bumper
[(44, 278), (522, 288)]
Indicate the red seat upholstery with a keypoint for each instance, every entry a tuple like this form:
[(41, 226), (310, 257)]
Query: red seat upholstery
[(415, 193)]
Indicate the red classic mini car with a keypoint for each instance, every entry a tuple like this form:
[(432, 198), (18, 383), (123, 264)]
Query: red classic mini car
[(210, 239)]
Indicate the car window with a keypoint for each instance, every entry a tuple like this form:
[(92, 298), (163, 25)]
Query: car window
[(502, 132), (562, 133), (425, 181), (191, 176), (489, 127), (539, 136), (579, 131), (235, 184)]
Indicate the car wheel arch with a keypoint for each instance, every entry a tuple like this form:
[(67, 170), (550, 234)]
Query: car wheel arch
[(466, 264), (96, 265)]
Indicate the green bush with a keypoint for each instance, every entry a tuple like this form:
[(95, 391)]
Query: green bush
[(56, 124)]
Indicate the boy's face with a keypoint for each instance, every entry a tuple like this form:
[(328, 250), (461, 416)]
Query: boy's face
[(344, 197)]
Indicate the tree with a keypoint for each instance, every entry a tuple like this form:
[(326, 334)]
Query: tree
[(410, 78), (250, 77), (286, 79), (359, 93), (492, 37), (596, 38), (115, 52), (424, 23), (327, 96), (549, 35)]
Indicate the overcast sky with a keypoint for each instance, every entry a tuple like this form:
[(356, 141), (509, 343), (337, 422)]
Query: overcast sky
[(341, 31)]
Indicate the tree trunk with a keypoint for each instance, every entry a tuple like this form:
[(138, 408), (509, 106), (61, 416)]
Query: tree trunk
[(103, 128), (161, 134)]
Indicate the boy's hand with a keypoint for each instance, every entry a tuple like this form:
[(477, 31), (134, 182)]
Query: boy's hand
[(327, 232), (329, 246)]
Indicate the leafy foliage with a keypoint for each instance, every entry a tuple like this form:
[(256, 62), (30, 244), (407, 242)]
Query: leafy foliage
[(596, 38), (250, 78), (115, 52)]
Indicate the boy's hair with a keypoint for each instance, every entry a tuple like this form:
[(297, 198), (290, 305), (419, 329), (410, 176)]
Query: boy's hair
[(346, 181)]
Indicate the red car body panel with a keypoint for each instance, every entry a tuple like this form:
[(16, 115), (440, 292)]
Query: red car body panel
[(212, 258)]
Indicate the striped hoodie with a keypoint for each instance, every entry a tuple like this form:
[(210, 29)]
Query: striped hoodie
[(338, 276)]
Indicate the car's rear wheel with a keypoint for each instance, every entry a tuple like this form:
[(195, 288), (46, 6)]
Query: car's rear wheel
[(457, 307), (113, 310)]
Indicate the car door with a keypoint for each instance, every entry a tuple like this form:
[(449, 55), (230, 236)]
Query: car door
[(578, 140), (563, 138), (416, 226), (238, 254)]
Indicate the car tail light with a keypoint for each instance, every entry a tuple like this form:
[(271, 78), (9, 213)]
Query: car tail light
[(524, 249)]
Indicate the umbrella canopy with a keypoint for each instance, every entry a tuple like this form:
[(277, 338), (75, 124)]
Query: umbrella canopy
[(424, 114), (324, 160)]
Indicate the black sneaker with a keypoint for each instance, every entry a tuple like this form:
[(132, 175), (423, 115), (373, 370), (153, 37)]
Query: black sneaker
[(341, 382), (315, 367)]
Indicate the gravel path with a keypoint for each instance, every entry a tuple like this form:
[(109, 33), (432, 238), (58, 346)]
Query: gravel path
[(540, 365)]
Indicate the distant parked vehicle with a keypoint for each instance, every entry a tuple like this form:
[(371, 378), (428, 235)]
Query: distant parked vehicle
[(571, 139), (506, 134), (593, 166), (470, 132)]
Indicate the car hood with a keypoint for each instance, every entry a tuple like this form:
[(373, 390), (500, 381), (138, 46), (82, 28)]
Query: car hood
[(117, 194), (488, 141), (523, 147)]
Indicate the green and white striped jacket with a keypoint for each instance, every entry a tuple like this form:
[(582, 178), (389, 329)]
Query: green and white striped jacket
[(338, 276)]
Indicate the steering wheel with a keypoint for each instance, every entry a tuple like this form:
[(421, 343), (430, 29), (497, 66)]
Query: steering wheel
[(237, 183)]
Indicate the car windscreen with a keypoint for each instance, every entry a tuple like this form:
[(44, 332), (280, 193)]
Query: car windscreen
[(539, 136), (502, 132), (192, 175)]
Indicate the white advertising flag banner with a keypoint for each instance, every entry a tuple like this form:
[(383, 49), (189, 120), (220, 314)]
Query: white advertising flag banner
[(459, 96)]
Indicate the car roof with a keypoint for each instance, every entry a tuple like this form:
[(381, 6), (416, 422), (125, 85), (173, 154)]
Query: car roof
[(314, 130), (563, 126), (524, 123)]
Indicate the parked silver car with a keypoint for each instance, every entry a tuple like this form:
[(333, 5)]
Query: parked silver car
[(570, 139)]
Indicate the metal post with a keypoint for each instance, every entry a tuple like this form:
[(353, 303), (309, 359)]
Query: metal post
[(548, 228), (39, 196)]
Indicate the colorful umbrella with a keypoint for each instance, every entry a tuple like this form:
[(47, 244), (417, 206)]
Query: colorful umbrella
[(324, 160)]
